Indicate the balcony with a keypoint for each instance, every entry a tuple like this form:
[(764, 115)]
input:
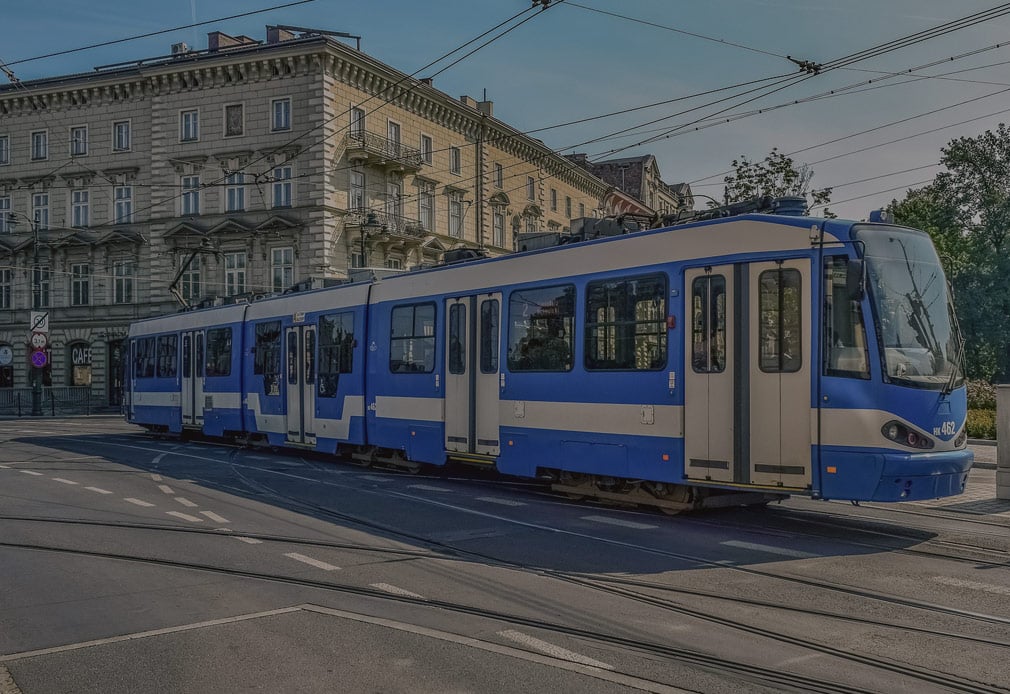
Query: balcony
[(372, 150), (390, 224)]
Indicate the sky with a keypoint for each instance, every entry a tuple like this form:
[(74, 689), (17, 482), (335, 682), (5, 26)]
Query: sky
[(869, 142)]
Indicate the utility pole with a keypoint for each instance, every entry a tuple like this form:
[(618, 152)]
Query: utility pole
[(36, 304)]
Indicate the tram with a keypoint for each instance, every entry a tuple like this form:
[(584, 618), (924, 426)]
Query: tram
[(731, 359)]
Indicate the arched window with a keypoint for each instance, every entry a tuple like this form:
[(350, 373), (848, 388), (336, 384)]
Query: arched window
[(79, 363), (6, 366)]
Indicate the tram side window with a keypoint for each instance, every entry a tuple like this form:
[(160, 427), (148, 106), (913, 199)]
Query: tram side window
[(542, 329), (219, 352), (845, 351), (144, 357), (489, 313), (168, 356), (457, 339), (336, 351), (267, 356), (412, 339), (708, 324), (626, 324), (779, 323)]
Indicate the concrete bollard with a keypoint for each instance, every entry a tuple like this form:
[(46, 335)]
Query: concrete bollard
[(1003, 442)]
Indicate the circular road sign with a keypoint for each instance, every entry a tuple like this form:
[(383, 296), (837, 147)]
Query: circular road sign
[(38, 340), (39, 359)]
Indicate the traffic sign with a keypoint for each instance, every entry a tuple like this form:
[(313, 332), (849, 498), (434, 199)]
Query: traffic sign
[(39, 322), (39, 358), (39, 340), (6, 355)]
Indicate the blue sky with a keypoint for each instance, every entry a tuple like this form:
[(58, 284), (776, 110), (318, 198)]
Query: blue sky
[(570, 63)]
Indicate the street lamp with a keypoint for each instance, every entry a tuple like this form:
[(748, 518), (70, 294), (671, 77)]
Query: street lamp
[(36, 373), (369, 226)]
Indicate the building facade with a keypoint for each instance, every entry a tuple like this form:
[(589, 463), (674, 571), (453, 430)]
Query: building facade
[(237, 171), (640, 178)]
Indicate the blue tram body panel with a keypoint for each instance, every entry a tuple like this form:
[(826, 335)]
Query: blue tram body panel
[(434, 364)]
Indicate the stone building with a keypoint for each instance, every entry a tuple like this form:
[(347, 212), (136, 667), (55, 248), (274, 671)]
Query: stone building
[(640, 178), (236, 171)]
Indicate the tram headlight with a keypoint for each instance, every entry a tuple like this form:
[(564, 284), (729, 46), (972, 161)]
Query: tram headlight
[(961, 439), (901, 434)]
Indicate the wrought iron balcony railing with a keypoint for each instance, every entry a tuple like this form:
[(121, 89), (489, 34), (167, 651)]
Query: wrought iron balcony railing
[(390, 223), (382, 150)]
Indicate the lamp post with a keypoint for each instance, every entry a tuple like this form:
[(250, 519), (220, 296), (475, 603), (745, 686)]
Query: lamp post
[(370, 225), (36, 372)]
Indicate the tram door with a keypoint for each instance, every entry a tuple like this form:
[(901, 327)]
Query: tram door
[(472, 374), (300, 351), (780, 372), (192, 377), (709, 378)]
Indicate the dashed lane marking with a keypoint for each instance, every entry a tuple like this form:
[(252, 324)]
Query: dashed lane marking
[(99, 490), (186, 502), (428, 488), (396, 591), (375, 478), (312, 562), (155, 476), (63, 481), (770, 549), (552, 650), (138, 502), (214, 517), (184, 516), (5, 467), (165, 488), (972, 585), (32, 472), (617, 521), (500, 502), (248, 540)]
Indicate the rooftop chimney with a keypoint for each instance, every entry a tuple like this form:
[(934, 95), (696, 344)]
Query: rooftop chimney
[(486, 107), (217, 40), (276, 34), (469, 101)]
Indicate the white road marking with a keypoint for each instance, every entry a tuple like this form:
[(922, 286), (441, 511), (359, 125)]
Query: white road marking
[(973, 585), (312, 562), (98, 489), (396, 591), (214, 517), (155, 476), (428, 488), (138, 502), (165, 488), (500, 502), (32, 472), (248, 540), (617, 521), (184, 516), (5, 467), (552, 650), (63, 481), (770, 549), (224, 530), (375, 478), (259, 457), (186, 502)]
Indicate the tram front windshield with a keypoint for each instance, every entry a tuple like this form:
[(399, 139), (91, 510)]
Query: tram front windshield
[(912, 307)]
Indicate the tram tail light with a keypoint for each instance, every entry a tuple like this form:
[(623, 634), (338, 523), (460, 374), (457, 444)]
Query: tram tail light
[(901, 434)]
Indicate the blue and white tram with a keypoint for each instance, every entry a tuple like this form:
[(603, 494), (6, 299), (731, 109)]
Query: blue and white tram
[(761, 354)]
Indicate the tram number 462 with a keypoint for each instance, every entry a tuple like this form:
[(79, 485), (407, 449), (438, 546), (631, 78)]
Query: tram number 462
[(945, 429)]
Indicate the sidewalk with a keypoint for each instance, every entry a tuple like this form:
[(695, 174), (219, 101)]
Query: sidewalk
[(979, 497)]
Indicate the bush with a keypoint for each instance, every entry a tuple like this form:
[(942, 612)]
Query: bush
[(981, 395), (981, 423)]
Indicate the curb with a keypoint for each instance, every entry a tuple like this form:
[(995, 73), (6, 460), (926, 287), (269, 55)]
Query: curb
[(981, 442)]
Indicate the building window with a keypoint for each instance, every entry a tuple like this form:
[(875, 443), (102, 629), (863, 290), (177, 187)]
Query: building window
[(190, 195), (6, 287), (190, 280), (280, 114), (121, 141), (282, 186), (357, 121), (393, 264), (7, 370), (189, 125), (412, 339), (6, 216), (554, 200), (80, 284), (356, 195), (582, 210), (40, 210), (282, 265), (40, 145), (79, 141), (455, 161), (531, 224), (426, 149), (5, 150), (122, 272), (80, 363), (499, 176), (394, 200), (234, 196), (499, 229), (356, 259), (80, 208), (124, 204), (456, 215), (234, 273), (393, 135), (568, 207), (234, 120), (531, 188), (426, 205), (40, 286)]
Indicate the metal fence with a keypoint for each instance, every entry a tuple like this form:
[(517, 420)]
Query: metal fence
[(55, 401)]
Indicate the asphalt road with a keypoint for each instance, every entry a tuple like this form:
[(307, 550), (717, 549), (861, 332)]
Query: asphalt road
[(131, 564)]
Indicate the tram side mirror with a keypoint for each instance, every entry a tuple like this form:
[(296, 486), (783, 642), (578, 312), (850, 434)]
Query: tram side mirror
[(855, 284)]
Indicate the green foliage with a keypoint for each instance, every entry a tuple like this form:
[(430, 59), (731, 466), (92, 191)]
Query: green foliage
[(777, 176), (981, 424), (981, 395)]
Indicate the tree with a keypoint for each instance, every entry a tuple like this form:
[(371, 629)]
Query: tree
[(777, 176)]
